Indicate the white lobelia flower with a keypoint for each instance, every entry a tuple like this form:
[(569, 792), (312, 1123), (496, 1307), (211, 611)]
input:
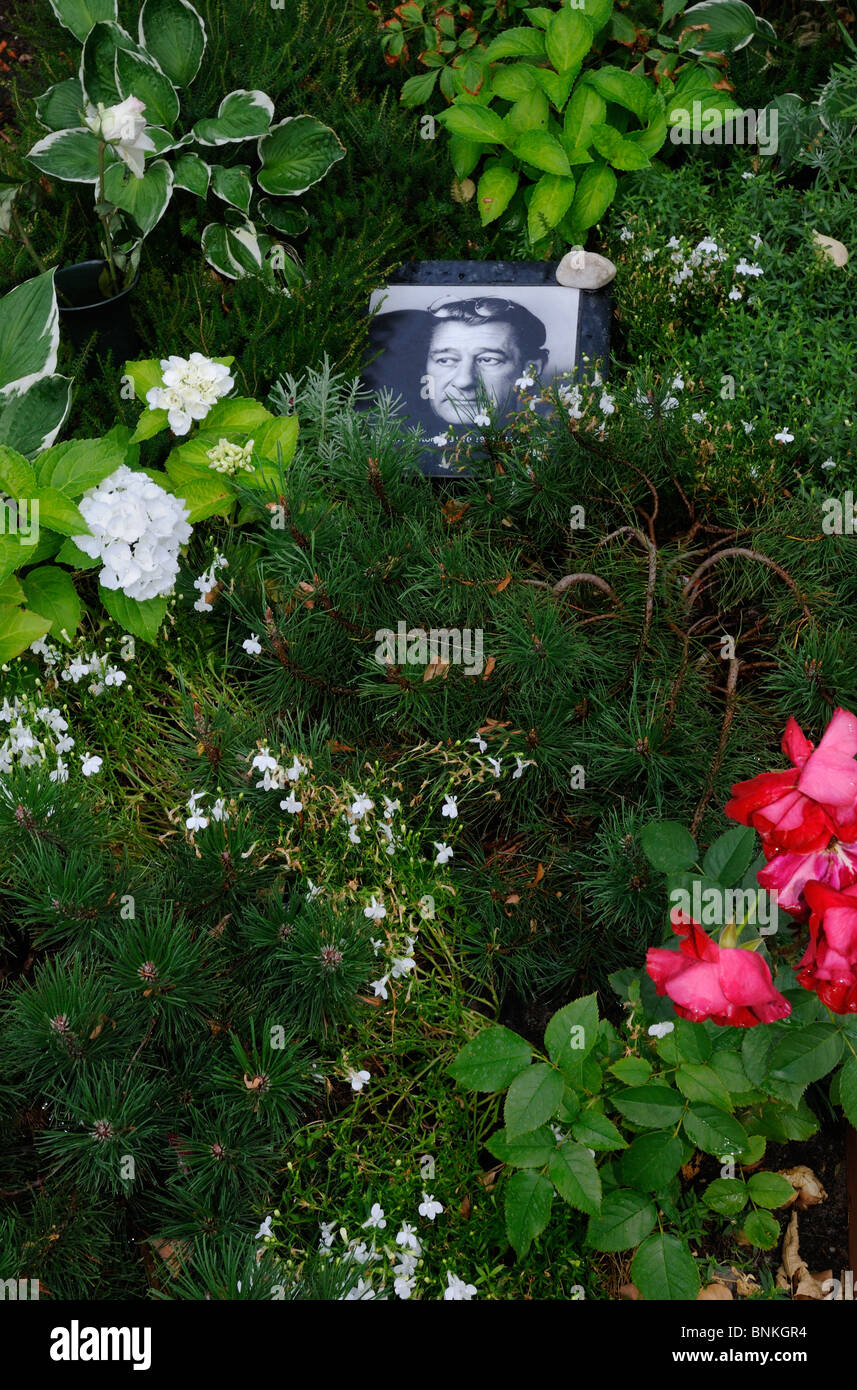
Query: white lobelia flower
[(456, 1290), (376, 911), (745, 268), (482, 419), (91, 764), (607, 404), (402, 965), (407, 1238), (784, 437), (480, 743), (379, 987), (136, 530), (390, 808), (406, 1266), (449, 807), (252, 645), (291, 804), (402, 1286), (444, 852), (296, 770), (218, 810), (660, 1030), (430, 1207), (376, 1221), (521, 764), (360, 805), (265, 1228), (122, 127), (496, 764), (191, 387), (358, 1079), (60, 773), (263, 761), (328, 1231)]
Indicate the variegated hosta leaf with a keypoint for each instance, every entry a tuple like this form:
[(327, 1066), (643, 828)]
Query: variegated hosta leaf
[(29, 333), (242, 115), (173, 32), (285, 217), (192, 173), (67, 154), (80, 15), (9, 191), (31, 420), (295, 154), (233, 185), (240, 250), (61, 106), (98, 62), (145, 199), (138, 75)]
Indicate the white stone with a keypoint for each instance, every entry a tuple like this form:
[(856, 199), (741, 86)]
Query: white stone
[(584, 270), (829, 246)]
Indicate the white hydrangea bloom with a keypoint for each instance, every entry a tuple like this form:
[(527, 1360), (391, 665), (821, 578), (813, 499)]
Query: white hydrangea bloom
[(191, 387), (137, 529)]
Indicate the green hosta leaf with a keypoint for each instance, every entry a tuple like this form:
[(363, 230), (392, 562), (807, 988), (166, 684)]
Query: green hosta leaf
[(568, 38), (727, 1196), (233, 185), (491, 1060), (18, 629), (848, 1089), (714, 1131), (513, 81), (663, 1268), (651, 1161), (31, 420), (623, 89), (142, 618), (550, 201), (651, 1106), (51, 593), (596, 189), (595, 1131), (192, 173), (626, 1218), (762, 1230), (702, 1083), (144, 199), (729, 858), (98, 62), (526, 1151), (80, 464), (17, 476), (59, 514), (529, 1197), (296, 154), (174, 34), (61, 106), (532, 1098), (543, 151), (516, 43), (138, 76), (573, 1173), (807, 1054), (667, 845), (71, 155), (285, 218), (474, 122), (730, 25), (770, 1189), (80, 15), (634, 1071), (572, 1033), (242, 115)]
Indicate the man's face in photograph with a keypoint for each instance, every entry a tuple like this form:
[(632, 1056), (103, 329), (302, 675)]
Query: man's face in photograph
[(461, 356)]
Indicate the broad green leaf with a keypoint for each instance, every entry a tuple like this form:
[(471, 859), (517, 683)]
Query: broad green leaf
[(557, 85), (297, 153), (144, 374), (663, 1268), (138, 76), (233, 185), (192, 173), (80, 15), (98, 62), (626, 1218), (11, 592), (757, 1046), (474, 122), (621, 153), (780, 1124), (623, 89), (173, 32), (807, 1054), (543, 151), (417, 90), (150, 423), (728, 1066), (530, 112), (142, 618), (848, 1089), (572, 1171), (61, 106), (572, 1033), (532, 1098), (692, 1041), (651, 1161), (510, 82), (145, 199), (551, 198), (595, 1131), (51, 593), (598, 12), (699, 1082), (714, 1131), (275, 442), (727, 1196), (491, 1060), (634, 1071), (79, 464), (237, 413), (17, 476), (728, 859), (762, 1230), (568, 38), (205, 497), (29, 333), (516, 43), (242, 115), (30, 420), (529, 1197), (18, 629), (667, 845), (59, 514), (770, 1189), (70, 554), (465, 155), (596, 189), (284, 217), (586, 109), (652, 1106), (526, 1151)]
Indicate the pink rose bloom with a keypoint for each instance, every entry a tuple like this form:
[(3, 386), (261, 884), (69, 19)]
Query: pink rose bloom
[(729, 985), (788, 874), (805, 807), (829, 966)]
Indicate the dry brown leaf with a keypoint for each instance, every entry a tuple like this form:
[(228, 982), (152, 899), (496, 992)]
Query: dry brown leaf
[(539, 875), (808, 1190), (714, 1292), (793, 1273), (829, 246), (466, 1208), (630, 1292), (489, 667), (504, 583), (436, 668)]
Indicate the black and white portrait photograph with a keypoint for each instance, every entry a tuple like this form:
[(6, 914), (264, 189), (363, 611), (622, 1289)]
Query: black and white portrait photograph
[(463, 357)]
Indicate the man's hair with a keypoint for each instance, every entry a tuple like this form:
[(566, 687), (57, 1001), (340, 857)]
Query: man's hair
[(529, 331)]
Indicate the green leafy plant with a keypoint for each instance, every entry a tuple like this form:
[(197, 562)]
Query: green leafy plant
[(83, 145)]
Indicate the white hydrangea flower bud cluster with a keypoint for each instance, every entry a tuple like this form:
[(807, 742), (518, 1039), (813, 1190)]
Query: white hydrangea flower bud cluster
[(191, 387), (137, 529), (231, 458)]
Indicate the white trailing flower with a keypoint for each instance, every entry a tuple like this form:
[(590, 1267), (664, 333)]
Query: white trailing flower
[(136, 531), (231, 458), (123, 127), (191, 387)]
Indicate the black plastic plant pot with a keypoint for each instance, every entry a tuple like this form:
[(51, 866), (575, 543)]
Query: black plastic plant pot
[(84, 311)]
